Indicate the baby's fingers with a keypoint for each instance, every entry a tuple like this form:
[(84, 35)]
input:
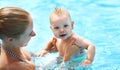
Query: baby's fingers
[(38, 54), (86, 63)]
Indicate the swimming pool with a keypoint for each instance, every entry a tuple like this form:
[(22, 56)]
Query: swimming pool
[(96, 20)]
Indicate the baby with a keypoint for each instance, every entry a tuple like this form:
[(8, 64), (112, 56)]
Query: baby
[(67, 43)]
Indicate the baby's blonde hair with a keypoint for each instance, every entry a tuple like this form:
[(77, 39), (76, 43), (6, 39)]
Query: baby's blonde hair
[(60, 12)]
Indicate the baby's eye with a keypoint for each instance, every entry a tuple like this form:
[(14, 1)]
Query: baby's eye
[(56, 27), (65, 25)]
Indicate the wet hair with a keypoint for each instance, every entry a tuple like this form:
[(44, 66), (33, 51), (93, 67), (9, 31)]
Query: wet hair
[(60, 12), (13, 21)]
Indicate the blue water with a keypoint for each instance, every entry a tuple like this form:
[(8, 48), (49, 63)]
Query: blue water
[(96, 20)]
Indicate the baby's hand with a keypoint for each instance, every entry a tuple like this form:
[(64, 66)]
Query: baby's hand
[(86, 62), (42, 53)]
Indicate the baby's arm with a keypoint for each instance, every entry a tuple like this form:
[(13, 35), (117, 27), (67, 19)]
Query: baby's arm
[(47, 48), (90, 49), (70, 51), (90, 54)]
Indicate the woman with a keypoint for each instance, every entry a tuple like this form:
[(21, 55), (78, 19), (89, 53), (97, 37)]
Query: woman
[(16, 29)]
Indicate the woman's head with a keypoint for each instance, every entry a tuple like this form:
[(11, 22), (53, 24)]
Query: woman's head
[(13, 22), (16, 26)]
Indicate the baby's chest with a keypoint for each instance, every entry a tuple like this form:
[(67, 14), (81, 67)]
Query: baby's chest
[(61, 47)]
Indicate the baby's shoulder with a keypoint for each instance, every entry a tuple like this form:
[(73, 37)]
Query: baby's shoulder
[(78, 40), (53, 40), (77, 37)]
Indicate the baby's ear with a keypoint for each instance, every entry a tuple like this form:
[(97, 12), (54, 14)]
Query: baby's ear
[(72, 24), (50, 27)]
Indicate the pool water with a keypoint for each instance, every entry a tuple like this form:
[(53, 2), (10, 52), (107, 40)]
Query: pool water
[(96, 20)]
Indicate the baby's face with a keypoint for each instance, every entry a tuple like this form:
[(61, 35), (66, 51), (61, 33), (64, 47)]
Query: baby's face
[(61, 26)]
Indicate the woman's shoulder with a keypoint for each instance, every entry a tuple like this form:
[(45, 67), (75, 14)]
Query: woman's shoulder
[(27, 54), (22, 66), (17, 66)]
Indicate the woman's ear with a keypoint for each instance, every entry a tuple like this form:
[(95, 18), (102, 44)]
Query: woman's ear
[(10, 39), (72, 24)]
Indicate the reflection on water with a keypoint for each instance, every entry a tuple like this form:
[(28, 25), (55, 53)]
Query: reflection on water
[(52, 61), (45, 63)]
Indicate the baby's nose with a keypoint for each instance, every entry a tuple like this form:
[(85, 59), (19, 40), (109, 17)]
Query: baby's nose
[(61, 29)]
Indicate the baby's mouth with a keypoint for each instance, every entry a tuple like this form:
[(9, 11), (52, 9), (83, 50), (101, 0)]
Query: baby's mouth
[(62, 35)]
